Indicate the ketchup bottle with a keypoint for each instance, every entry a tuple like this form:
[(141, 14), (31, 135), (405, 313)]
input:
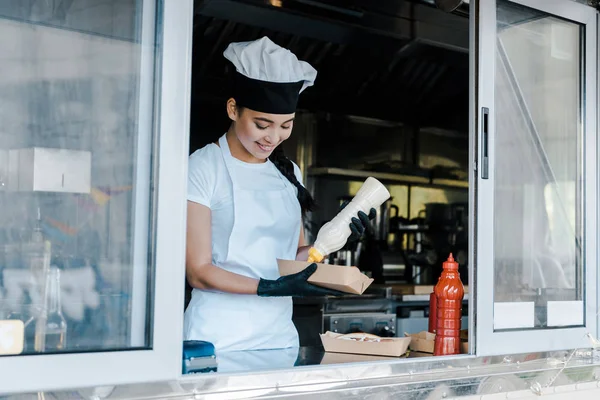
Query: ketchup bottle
[(449, 292)]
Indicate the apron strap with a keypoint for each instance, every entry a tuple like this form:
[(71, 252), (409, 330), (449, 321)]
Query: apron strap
[(228, 158)]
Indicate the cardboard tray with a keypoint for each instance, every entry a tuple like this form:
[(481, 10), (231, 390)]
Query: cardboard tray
[(346, 358), (424, 342), (336, 277), (396, 347)]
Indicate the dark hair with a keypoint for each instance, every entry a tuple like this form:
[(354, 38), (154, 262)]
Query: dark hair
[(285, 166)]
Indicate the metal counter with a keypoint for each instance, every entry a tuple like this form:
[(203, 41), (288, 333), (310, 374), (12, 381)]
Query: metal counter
[(526, 376)]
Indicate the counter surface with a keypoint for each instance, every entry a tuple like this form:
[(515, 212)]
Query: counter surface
[(526, 376), (264, 360)]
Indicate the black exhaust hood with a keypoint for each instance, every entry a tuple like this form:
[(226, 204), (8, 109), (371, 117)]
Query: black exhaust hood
[(357, 22), (392, 60)]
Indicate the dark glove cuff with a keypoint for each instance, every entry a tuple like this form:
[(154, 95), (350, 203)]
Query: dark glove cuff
[(269, 288), (264, 286)]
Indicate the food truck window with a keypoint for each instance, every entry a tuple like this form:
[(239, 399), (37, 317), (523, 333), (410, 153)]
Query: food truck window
[(538, 232), (386, 103), (78, 197), (534, 126)]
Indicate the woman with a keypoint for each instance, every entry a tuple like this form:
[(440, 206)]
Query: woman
[(245, 206)]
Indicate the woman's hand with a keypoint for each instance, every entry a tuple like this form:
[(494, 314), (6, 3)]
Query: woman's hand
[(294, 285), (359, 225)]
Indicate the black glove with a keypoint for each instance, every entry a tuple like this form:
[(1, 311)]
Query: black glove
[(294, 285), (359, 225)]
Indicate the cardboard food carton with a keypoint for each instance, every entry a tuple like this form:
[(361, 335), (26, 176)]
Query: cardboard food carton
[(423, 342), (336, 277), (390, 347), (345, 358)]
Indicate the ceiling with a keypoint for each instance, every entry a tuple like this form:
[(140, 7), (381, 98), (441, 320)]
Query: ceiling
[(392, 60)]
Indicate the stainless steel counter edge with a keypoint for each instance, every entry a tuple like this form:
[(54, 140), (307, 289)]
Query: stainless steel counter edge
[(427, 378)]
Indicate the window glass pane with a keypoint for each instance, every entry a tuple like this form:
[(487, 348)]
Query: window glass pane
[(538, 227), (76, 93)]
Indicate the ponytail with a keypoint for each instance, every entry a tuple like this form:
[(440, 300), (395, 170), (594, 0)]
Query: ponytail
[(285, 166)]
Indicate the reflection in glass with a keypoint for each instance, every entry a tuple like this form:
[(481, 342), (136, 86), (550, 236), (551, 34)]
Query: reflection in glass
[(75, 171), (538, 169), (50, 324)]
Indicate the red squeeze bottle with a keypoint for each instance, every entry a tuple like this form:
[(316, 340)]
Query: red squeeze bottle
[(449, 292)]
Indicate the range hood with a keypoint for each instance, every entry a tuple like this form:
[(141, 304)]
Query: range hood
[(458, 6), (391, 60), (356, 22)]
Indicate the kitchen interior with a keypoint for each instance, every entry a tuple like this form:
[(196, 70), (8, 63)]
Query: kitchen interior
[(391, 101)]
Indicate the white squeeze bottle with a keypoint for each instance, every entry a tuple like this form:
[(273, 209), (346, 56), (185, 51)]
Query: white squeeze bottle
[(334, 234)]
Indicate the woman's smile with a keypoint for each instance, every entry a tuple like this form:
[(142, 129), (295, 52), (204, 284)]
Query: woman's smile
[(265, 148)]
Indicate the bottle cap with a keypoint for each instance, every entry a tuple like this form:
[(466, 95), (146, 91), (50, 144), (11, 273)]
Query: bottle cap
[(315, 255), (450, 264)]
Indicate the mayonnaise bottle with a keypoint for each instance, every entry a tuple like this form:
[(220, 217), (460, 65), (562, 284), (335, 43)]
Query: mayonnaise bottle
[(334, 234)]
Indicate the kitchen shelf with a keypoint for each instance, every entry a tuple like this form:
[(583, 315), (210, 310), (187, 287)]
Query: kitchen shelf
[(387, 177), (423, 297), (411, 228), (455, 183)]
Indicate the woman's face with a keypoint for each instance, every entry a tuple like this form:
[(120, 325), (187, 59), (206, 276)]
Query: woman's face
[(258, 132)]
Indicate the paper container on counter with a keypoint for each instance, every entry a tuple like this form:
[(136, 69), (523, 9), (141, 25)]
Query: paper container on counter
[(345, 358), (394, 347), (336, 277), (423, 342)]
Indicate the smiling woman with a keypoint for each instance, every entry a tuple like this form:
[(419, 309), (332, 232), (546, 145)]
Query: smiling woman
[(245, 206)]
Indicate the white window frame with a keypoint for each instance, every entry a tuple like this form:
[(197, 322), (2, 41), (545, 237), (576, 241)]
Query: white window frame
[(170, 102), (489, 342)]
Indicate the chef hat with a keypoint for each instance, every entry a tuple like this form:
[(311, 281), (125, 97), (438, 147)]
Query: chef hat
[(268, 78)]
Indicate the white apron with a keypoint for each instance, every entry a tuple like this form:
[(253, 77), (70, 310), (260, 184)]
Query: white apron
[(266, 227)]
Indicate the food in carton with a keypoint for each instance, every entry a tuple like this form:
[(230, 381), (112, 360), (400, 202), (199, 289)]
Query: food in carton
[(364, 337), (364, 343), (336, 277)]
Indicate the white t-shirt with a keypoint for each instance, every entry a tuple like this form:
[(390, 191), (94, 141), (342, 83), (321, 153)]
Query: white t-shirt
[(209, 184)]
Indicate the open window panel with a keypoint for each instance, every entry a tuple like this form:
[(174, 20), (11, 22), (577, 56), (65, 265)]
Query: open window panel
[(536, 176), (90, 243), (391, 100)]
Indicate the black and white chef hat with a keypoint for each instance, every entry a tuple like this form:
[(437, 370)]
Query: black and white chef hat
[(268, 78)]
